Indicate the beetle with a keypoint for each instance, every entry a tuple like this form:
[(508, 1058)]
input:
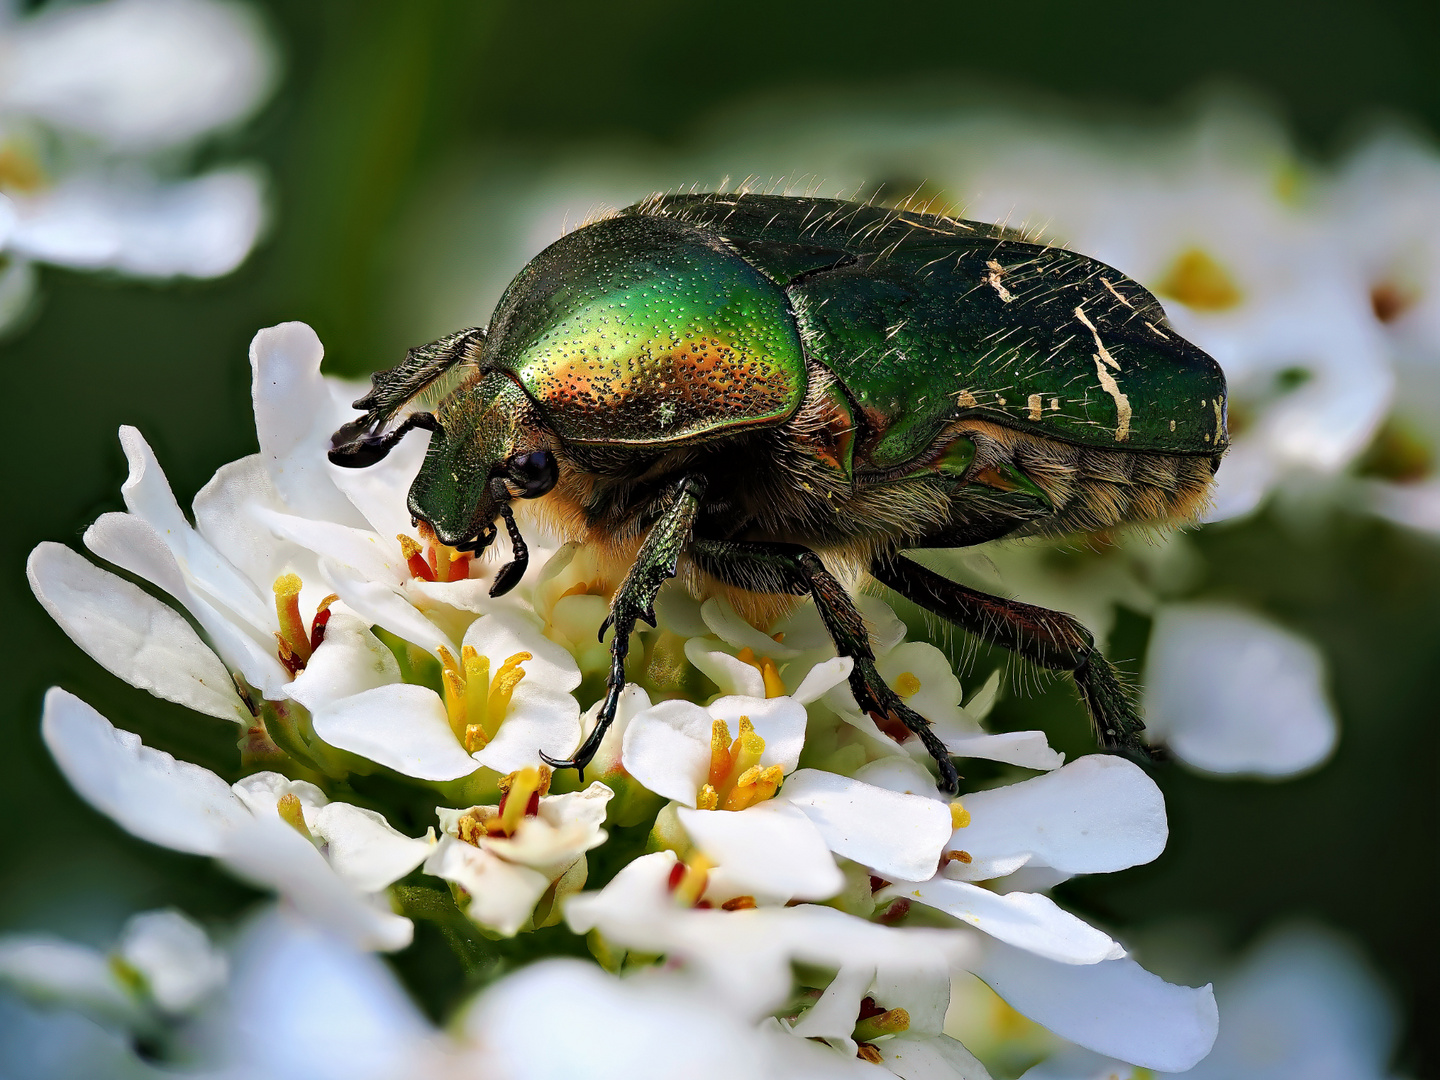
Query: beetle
[(757, 392)]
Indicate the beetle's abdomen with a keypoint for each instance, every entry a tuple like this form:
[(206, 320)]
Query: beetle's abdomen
[(649, 332)]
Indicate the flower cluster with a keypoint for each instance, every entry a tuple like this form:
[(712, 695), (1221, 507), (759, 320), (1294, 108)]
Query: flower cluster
[(809, 890), (98, 105)]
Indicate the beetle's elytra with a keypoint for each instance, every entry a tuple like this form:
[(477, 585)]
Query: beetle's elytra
[(754, 390)]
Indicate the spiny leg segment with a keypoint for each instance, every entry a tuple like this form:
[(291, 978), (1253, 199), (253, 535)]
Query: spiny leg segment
[(1048, 638), (655, 563), (791, 568)]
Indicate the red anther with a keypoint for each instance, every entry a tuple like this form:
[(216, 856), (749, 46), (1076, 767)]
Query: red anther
[(460, 566), (704, 904), (896, 911), (420, 568), (677, 874), (432, 562), (877, 883), (532, 807), (500, 810), (317, 627)]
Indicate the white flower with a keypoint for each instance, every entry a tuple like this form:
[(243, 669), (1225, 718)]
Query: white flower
[(508, 856), (332, 860), (1228, 691), (88, 91)]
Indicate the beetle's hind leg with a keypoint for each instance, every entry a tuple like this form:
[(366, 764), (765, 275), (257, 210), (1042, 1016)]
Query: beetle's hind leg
[(790, 568), (1048, 638)]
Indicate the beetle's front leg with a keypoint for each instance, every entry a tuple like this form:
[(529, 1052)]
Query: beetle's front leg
[(1049, 638), (634, 600), (791, 568)]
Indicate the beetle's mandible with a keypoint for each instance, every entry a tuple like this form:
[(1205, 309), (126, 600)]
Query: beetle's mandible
[(757, 391)]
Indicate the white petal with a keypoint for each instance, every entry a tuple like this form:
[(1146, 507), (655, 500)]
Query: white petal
[(51, 971), (771, 851), (131, 634), (350, 660), (1028, 920), (938, 699), (293, 407), (201, 227), (502, 894), (731, 675), (366, 553), (261, 793), (1097, 815), (899, 772), (172, 952), (538, 719), (1115, 1007), (502, 634), (269, 853), (1229, 691), (378, 603), (402, 727), (364, 849), (929, 1057), (303, 1005), (379, 491), (729, 627), (135, 545), (900, 837), (833, 1016), (226, 514), (146, 792), (141, 74), (779, 721), (565, 828), (822, 677), (1027, 749), (667, 748)]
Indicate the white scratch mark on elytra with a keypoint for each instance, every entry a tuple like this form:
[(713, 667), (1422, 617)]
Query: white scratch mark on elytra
[(1157, 330), (1034, 406), (1219, 419), (1122, 402), (1116, 294), (993, 272), (1099, 345)]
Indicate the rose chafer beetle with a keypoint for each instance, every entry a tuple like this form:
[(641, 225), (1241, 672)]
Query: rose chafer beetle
[(757, 392)]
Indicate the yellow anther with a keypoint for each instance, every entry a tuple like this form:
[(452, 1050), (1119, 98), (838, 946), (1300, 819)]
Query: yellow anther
[(746, 656), (887, 1023), (907, 685), (746, 750), (707, 799), (475, 738), (753, 786), (959, 816), (293, 814), (454, 701), (523, 784), (19, 171), (477, 688), (719, 754), (865, 1052), (287, 608), (448, 662), (408, 546), (1198, 281), (501, 688)]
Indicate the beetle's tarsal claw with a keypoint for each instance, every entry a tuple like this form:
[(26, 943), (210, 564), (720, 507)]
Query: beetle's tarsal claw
[(355, 447), (510, 574)]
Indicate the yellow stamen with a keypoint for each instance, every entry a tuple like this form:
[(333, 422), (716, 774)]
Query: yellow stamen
[(887, 1023), (754, 785), (746, 750), (448, 662), (287, 609), (19, 171), (477, 687), (523, 784), (739, 903), (692, 883), (501, 688), (866, 1052), (907, 685), (408, 546), (293, 814), (774, 685), (475, 738), (708, 798), (719, 754), (959, 816), (454, 701)]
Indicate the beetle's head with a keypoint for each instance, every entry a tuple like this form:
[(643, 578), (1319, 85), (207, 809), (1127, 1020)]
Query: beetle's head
[(488, 448)]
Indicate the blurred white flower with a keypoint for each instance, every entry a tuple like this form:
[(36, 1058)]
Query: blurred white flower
[(333, 861), (90, 96), (1229, 691)]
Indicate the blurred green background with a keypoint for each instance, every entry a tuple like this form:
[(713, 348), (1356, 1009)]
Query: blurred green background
[(383, 102)]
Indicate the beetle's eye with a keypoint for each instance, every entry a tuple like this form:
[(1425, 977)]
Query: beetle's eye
[(534, 473)]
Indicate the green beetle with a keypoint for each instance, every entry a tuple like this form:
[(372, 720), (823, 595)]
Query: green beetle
[(757, 391)]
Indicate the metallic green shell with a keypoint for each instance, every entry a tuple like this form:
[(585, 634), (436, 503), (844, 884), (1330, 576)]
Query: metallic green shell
[(641, 330), (928, 319)]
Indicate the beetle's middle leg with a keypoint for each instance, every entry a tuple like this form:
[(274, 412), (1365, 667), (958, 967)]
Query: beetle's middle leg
[(655, 563), (1048, 638), (790, 568)]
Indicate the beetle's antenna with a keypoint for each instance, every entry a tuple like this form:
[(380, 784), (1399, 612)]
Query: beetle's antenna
[(511, 573)]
